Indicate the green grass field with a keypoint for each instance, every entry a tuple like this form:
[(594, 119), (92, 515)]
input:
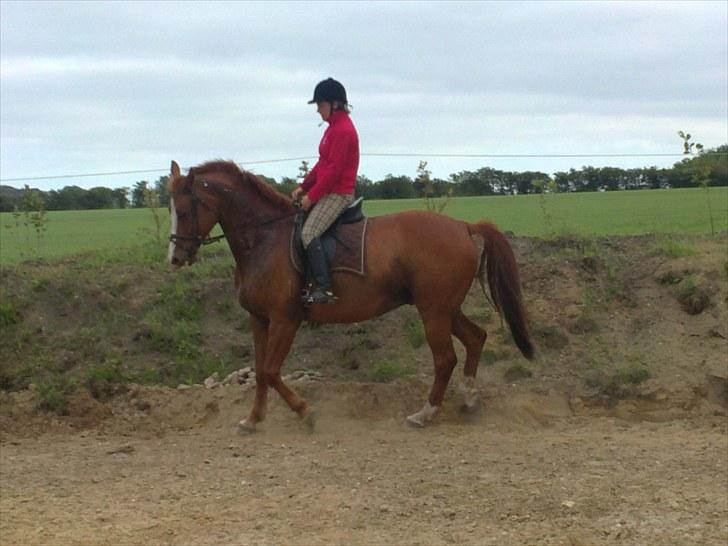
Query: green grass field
[(681, 211)]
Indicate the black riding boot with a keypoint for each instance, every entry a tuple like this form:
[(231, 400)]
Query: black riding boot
[(316, 261)]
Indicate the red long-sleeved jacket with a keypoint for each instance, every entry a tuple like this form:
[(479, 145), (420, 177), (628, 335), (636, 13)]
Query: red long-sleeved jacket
[(335, 171)]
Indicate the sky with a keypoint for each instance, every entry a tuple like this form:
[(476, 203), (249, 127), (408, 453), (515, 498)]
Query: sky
[(103, 87)]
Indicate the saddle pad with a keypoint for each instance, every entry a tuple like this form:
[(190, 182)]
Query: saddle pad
[(349, 255)]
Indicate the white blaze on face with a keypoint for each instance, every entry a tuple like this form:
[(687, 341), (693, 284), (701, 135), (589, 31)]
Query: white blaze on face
[(173, 230)]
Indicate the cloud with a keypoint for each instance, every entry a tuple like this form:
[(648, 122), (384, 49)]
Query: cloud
[(94, 87)]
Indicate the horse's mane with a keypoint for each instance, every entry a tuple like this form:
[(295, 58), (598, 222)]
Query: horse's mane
[(243, 178)]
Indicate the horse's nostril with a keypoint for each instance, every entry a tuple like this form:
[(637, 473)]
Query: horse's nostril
[(175, 260)]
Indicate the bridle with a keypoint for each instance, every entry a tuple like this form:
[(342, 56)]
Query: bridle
[(197, 238)]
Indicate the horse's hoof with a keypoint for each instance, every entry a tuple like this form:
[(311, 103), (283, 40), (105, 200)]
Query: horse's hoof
[(310, 419), (424, 416), (471, 397), (467, 409), (416, 421), (245, 427)]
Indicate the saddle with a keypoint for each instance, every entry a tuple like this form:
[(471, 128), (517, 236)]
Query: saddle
[(343, 242)]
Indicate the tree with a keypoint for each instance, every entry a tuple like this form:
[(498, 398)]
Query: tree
[(474, 183), (137, 194), (701, 172), (67, 198), (6, 204), (162, 190), (303, 170), (98, 198), (33, 210), (365, 188), (287, 185), (121, 198), (520, 182), (396, 187), (425, 187)]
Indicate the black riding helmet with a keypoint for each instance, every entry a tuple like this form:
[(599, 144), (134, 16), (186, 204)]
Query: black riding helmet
[(329, 90)]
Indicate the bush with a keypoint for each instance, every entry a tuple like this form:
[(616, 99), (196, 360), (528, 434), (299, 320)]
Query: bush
[(633, 374), (53, 392), (106, 380), (694, 299)]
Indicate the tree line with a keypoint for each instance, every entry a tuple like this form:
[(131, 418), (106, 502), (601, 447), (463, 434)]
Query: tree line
[(708, 168)]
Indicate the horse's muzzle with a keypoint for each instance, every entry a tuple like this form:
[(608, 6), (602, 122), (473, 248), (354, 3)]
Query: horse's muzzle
[(182, 257)]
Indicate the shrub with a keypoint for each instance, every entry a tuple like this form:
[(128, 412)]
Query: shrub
[(106, 380), (693, 298), (632, 374), (53, 392)]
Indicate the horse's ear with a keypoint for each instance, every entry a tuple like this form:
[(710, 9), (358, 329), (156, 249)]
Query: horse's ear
[(175, 170)]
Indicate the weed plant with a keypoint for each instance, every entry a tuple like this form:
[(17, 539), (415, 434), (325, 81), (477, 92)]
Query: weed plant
[(415, 332), (672, 248), (387, 371)]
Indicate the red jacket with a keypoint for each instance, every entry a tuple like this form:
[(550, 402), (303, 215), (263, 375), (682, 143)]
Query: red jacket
[(335, 171)]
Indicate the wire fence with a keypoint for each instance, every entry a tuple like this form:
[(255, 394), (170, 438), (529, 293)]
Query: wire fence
[(371, 154)]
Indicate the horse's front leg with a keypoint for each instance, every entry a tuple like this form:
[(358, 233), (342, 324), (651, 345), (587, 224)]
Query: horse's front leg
[(259, 327), (280, 338)]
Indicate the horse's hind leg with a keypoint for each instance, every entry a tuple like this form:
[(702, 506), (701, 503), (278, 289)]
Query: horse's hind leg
[(439, 337), (473, 338), (259, 328)]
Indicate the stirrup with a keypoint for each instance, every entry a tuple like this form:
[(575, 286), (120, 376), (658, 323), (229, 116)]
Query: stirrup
[(319, 295)]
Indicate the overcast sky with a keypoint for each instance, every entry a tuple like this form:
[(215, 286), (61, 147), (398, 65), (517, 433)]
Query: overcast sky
[(103, 86)]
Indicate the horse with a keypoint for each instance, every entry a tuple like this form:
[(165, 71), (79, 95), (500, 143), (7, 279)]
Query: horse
[(418, 258)]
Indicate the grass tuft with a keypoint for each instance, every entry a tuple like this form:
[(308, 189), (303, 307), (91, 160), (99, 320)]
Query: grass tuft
[(672, 248), (8, 314), (106, 380), (632, 374), (53, 393), (387, 371), (415, 333), (516, 372), (694, 299)]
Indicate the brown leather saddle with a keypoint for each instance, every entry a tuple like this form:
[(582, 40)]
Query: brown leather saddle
[(344, 242)]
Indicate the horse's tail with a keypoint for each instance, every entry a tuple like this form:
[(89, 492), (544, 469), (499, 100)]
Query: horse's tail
[(504, 282)]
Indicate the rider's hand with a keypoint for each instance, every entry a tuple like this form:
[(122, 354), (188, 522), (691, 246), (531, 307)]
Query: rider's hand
[(306, 203), (296, 194)]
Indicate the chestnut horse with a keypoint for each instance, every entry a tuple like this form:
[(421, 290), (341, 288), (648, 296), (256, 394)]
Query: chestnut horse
[(418, 257)]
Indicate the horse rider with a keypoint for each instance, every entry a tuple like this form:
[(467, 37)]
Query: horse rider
[(329, 188)]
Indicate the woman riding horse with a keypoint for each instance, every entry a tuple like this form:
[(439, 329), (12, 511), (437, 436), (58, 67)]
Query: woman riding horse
[(329, 188)]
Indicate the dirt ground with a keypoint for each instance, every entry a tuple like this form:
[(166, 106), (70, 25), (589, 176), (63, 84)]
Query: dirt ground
[(576, 450), (527, 469)]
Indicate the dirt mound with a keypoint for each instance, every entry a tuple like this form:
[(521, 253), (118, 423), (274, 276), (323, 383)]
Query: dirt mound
[(616, 321), (160, 410), (614, 434)]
